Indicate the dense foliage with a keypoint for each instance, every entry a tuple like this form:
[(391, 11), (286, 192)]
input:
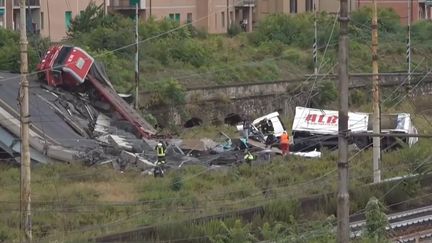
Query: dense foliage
[(10, 50), (376, 220), (279, 48), (101, 200)]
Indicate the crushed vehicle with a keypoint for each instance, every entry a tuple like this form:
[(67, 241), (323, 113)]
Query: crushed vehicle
[(76, 114), (315, 128), (265, 132), (74, 69), (260, 128)]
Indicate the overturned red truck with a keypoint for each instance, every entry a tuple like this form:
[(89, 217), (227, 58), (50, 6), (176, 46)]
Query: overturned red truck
[(72, 68)]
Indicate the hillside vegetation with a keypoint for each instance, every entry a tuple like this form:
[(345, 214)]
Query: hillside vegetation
[(279, 48), (72, 203)]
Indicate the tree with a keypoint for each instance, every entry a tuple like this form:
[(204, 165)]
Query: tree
[(88, 19), (376, 220)]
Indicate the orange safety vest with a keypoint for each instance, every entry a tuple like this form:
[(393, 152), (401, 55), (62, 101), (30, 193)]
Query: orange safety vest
[(284, 139)]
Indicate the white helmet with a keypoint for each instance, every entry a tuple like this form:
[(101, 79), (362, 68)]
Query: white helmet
[(159, 144)]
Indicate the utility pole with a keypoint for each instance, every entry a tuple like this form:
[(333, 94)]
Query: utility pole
[(408, 51), (376, 98), (315, 44), (26, 223), (136, 57), (343, 195)]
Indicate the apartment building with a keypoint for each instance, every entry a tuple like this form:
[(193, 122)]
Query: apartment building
[(52, 18), (49, 18), (2, 14), (213, 16), (9, 14), (57, 15), (420, 9)]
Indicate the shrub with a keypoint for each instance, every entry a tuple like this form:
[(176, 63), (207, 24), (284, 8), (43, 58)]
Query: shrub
[(327, 94), (421, 32), (176, 183), (234, 29), (169, 28), (98, 31), (10, 51), (190, 51), (388, 22), (358, 97), (294, 30), (168, 92), (376, 220)]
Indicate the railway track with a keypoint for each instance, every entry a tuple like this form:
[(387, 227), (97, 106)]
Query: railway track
[(413, 225)]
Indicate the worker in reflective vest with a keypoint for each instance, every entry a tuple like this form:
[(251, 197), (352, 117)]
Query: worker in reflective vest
[(161, 152), (248, 157), (284, 143)]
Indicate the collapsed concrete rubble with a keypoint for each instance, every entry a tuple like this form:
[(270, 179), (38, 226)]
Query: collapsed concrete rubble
[(71, 127), (76, 115)]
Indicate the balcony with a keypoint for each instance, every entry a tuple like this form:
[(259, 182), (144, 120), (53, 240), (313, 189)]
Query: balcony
[(126, 4), (245, 3), (32, 3), (2, 3)]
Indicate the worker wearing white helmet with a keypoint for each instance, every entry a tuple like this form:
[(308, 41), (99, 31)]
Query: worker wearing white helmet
[(161, 152)]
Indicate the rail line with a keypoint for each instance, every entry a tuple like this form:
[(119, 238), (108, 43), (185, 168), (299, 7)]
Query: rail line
[(407, 226)]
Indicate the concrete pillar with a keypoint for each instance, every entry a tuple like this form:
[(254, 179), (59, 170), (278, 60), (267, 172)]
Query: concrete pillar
[(9, 14), (250, 19)]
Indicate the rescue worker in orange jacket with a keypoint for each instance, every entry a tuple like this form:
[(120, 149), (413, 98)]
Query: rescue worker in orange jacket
[(284, 143)]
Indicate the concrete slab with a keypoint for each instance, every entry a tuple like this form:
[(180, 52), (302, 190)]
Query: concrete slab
[(42, 116)]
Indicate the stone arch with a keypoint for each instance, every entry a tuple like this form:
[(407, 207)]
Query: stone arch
[(193, 122), (233, 119)]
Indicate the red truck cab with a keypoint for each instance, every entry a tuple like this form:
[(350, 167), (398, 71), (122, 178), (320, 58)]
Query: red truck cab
[(65, 66)]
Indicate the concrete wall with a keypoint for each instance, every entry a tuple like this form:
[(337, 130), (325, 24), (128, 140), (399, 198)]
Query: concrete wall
[(332, 6), (3, 17), (261, 98), (162, 9), (267, 7), (209, 15)]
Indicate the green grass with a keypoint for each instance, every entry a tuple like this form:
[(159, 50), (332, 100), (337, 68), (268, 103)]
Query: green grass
[(74, 202)]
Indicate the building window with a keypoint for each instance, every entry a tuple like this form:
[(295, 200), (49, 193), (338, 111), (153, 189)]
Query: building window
[(223, 19), (189, 18), (134, 3), (2, 17), (68, 20), (293, 6), (42, 21), (309, 5), (175, 17)]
